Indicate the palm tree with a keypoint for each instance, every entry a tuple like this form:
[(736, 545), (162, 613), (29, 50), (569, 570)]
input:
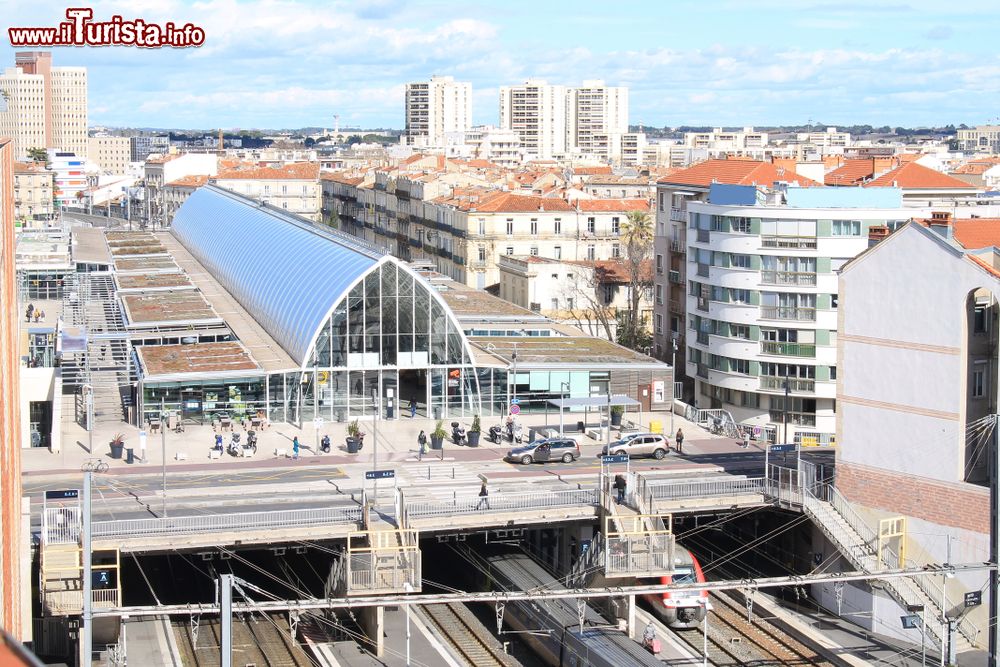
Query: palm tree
[(638, 227), (38, 155), (637, 231)]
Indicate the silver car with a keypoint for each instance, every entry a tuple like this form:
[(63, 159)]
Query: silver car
[(643, 444)]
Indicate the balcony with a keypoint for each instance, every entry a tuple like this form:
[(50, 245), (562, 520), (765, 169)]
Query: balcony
[(677, 215), (787, 278), (704, 236), (703, 371), (677, 307), (788, 313), (703, 338), (789, 242), (702, 304), (787, 349), (675, 277), (795, 385), (677, 247), (794, 418)]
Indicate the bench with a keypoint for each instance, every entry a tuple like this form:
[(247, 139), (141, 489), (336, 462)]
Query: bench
[(595, 433), (213, 454), (180, 456), (281, 452)]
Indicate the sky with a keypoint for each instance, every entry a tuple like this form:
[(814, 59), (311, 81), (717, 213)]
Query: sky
[(296, 63)]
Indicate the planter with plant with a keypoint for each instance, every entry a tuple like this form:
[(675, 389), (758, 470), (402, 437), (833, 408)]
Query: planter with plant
[(616, 415), (438, 435), (473, 434), (117, 445), (353, 437)]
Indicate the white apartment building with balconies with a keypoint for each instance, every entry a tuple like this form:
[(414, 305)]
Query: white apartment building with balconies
[(598, 118), (536, 111), (436, 107), (761, 307)]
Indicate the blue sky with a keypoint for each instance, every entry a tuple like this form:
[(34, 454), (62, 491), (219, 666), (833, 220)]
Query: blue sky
[(293, 63)]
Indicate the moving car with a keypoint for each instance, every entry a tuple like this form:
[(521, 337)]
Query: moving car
[(562, 449), (639, 444)]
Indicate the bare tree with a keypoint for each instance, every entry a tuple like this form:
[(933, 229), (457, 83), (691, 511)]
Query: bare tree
[(590, 309), (637, 232)]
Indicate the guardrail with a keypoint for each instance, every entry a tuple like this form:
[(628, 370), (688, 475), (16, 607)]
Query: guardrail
[(705, 488), (211, 523), (500, 502)]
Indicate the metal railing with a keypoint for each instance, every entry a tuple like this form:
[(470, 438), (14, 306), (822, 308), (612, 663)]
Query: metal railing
[(633, 555), (501, 502), (788, 313), (105, 597), (795, 385), (787, 349), (787, 278), (61, 525), (788, 241), (210, 523), (705, 488)]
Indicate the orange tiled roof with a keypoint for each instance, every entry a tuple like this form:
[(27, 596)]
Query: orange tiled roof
[(977, 233), (295, 171), (505, 202), (977, 167), (189, 181), (735, 172), (612, 205), (852, 172), (914, 176), (25, 167), (615, 270), (984, 265), (592, 171), (163, 158)]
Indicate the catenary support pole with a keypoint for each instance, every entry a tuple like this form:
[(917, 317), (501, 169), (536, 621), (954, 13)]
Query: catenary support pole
[(994, 547), (673, 383), (226, 621), (86, 627)]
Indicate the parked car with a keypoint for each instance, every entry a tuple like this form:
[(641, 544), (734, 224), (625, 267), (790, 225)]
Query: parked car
[(562, 449), (639, 444)]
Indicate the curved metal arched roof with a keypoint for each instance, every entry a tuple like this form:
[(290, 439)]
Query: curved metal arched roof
[(284, 270)]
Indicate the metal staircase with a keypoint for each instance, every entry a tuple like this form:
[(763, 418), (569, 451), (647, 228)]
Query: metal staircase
[(706, 418), (859, 543)]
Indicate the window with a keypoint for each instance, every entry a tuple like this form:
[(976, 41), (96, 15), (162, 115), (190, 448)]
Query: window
[(739, 261), (555, 304), (534, 226), (659, 264), (591, 252), (534, 251), (616, 250), (661, 201), (981, 320), (740, 225), (510, 250), (558, 225), (833, 372), (740, 366), (510, 226), (569, 302), (659, 294), (739, 295), (615, 225), (739, 331), (659, 323), (609, 293), (482, 227), (557, 252), (284, 189), (846, 228), (979, 382), (482, 253), (591, 225)]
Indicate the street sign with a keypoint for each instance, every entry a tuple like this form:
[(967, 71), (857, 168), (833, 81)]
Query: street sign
[(910, 621), (515, 400), (515, 409), (782, 448), (757, 430), (620, 458), (973, 598), (62, 495), (380, 474)]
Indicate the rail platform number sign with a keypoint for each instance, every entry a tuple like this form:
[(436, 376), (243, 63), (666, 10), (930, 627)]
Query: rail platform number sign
[(63, 494), (973, 598), (619, 458), (782, 448), (515, 409), (380, 474)]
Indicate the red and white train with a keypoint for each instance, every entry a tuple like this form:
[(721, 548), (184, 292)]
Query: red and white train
[(685, 609)]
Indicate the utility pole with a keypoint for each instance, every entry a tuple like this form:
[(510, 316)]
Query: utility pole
[(375, 402), (673, 380), (226, 620), (86, 630), (994, 547), (784, 407), (163, 453)]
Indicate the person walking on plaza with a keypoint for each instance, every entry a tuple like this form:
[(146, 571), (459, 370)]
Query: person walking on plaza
[(746, 438), (680, 441), (620, 487), (421, 445), (484, 497), (28, 312), (413, 409), (295, 447)]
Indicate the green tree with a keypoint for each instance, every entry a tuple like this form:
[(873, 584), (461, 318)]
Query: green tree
[(637, 232), (39, 155)]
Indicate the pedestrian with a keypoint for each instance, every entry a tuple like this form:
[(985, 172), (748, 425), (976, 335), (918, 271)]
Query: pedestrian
[(746, 438), (421, 445), (43, 315), (620, 487), (28, 312), (680, 441), (413, 409), (295, 447), (484, 497), (37, 314)]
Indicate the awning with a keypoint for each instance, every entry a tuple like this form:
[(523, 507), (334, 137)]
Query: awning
[(593, 402)]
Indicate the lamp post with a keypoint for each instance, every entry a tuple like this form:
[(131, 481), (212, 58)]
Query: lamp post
[(673, 380), (704, 643), (375, 440), (784, 407), (163, 452), (561, 407), (407, 587)]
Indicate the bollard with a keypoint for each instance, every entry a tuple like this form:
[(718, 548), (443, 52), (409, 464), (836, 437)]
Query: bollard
[(428, 473), (454, 498), (453, 472)]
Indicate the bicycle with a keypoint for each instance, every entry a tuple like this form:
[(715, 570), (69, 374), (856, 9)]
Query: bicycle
[(95, 465)]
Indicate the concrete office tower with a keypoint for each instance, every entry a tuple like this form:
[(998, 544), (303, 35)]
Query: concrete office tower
[(435, 107), (597, 118), (536, 111), (43, 106), (10, 414)]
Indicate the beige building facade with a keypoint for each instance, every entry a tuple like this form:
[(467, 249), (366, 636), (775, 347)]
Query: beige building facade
[(33, 193), (112, 154)]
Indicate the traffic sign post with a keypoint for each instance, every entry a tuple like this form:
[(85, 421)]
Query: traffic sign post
[(783, 449), (515, 409), (380, 474)]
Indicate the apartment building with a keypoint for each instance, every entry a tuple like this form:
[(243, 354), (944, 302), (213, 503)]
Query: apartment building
[(537, 112), (33, 193), (747, 143), (112, 154), (597, 119), (294, 187), (979, 139), (436, 107), (158, 171), (762, 298), (144, 146), (44, 106), (70, 178)]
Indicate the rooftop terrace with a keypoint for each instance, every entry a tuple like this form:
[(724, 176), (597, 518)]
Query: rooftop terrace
[(168, 308), (214, 358)]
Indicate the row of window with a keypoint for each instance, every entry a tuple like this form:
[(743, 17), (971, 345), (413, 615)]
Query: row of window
[(768, 369), (556, 252), (557, 226), (773, 227)]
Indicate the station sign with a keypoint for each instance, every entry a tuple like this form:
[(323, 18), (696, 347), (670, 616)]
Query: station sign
[(782, 448), (618, 458), (66, 494), (380, 474), (973, 598)]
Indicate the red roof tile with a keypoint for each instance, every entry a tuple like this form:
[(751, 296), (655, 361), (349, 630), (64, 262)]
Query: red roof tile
[(914, 176), (852, 172), (591, 171), (735, 172), (294, 171), (612, 205), (189, 181), (977, 233)]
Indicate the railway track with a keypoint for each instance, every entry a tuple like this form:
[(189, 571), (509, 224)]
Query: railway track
[(732, 640), (462, 634)]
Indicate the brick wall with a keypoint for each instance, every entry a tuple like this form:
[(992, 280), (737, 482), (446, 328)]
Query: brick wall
[(965, 506)]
